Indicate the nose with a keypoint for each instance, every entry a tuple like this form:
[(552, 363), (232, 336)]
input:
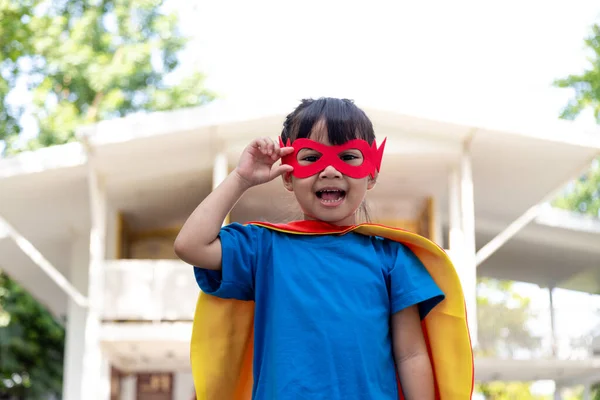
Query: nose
[(330, 172)]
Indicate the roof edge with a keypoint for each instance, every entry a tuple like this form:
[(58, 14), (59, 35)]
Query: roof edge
[(223, 112), (54, 157)]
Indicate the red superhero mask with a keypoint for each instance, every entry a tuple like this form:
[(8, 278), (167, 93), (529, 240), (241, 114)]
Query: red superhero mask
[(330, 155)]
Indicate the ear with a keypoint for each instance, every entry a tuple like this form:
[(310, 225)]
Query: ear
[(372, 181), (287, 181)]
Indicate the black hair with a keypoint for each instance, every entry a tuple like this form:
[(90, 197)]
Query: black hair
[(344, 121)]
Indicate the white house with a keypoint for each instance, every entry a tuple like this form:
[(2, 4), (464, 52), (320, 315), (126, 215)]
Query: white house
[(88, 228)]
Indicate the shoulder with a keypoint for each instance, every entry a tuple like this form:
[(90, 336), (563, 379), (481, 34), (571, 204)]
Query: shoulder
[(244, 232), (244, 228), (393, 252)]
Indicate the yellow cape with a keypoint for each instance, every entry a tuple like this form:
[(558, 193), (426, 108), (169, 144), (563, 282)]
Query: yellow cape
[(223, 331)]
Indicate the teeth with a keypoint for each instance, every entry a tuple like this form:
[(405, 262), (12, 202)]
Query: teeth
[(323, 194)]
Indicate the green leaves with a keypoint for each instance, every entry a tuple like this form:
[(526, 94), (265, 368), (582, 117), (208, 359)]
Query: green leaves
[(584, 195), (90, 60), (31, 345), (586, 86), (502, 318)]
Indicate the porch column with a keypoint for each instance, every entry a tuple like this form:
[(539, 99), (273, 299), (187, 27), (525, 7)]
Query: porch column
[(128, 389), (558, 392), (95, 382), (462, 236), (76, 320), (557, 385), (455, 234), (82, 334), (467, 200), (552, 310), (220, 172)]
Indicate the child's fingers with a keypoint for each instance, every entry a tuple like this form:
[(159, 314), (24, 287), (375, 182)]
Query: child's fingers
[(284, 151), (276, 151), (267, 146), (264, 145), (270, 146), (276, 147), (279, 151), (280, 170), (256, 144)]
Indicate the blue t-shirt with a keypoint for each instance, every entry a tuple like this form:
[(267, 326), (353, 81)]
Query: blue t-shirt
[(322, 309)]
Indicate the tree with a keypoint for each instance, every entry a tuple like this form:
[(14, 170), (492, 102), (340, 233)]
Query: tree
[(85, 61), (82, 61), (586, 85), (502, 318), (31, 345), (584, 195)]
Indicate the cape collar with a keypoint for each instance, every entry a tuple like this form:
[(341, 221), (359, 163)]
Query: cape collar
[(305, 226), (314, 227)]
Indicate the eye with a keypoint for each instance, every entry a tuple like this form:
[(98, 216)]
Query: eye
[(307, 156), (352, 157)]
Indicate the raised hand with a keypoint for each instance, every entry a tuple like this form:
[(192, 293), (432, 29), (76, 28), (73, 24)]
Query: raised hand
[(257, 162)]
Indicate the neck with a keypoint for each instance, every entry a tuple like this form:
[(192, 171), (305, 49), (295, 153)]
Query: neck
[(348, 221)]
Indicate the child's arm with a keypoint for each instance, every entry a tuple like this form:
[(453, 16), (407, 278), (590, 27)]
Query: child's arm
[(410, 353), (197, 243)]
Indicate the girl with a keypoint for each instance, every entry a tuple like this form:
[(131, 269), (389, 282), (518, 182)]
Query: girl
[(337, 313)]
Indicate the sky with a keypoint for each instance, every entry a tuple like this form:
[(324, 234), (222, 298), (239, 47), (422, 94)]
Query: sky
[(487, 57)]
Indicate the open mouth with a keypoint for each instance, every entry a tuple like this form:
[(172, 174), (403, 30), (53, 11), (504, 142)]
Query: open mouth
[(331, 196)]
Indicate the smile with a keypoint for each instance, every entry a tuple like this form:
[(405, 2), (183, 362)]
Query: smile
[(331, 197)]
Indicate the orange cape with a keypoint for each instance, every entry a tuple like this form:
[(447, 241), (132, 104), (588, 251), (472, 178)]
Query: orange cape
[(223, 331)]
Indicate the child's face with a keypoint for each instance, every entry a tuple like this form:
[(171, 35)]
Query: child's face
[(329, 195)]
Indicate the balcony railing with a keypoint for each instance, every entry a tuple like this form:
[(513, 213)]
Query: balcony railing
[(153, 290), (165, 290), (562, 349)]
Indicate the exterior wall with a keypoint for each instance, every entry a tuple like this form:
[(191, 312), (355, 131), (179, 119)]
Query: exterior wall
[(157, 245), (113, 234)]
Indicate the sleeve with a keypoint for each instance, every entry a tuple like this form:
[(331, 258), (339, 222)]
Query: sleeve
[(235, 280), (411, 283)]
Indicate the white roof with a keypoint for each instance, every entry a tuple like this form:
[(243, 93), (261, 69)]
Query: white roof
[(558, 249), (158, 166)]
